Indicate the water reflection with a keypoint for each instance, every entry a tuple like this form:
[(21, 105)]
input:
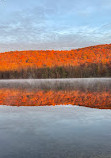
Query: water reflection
[(94, 93)]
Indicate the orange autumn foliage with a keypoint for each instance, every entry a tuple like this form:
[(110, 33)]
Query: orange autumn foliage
[(16, 60), (19, 97)]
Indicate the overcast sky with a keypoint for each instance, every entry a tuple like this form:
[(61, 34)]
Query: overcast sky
[(54, 24)]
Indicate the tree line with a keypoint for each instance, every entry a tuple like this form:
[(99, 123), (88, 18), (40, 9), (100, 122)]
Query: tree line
[(81, 71)]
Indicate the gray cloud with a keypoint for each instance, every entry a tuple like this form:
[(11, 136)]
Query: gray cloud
[(55, 25)]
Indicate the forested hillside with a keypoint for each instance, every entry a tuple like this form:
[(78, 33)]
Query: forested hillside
[(93, 61)]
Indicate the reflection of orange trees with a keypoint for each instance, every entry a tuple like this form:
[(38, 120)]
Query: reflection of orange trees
[(42, 98), (21, 60)]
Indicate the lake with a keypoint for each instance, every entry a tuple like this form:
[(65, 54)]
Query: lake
[(55, 132), (78, 125)]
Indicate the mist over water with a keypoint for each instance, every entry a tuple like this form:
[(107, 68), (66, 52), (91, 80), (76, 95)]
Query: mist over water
[(36, 130), (92, 84), (94, 92)]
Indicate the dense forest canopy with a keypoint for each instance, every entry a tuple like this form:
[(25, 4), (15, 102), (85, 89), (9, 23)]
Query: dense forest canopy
[(93, 61)]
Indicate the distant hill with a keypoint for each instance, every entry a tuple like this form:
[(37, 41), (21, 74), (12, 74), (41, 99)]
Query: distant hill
[(93, 56)]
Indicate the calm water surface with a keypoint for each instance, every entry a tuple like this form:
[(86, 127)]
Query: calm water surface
[(36, 131), (54, 132)]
